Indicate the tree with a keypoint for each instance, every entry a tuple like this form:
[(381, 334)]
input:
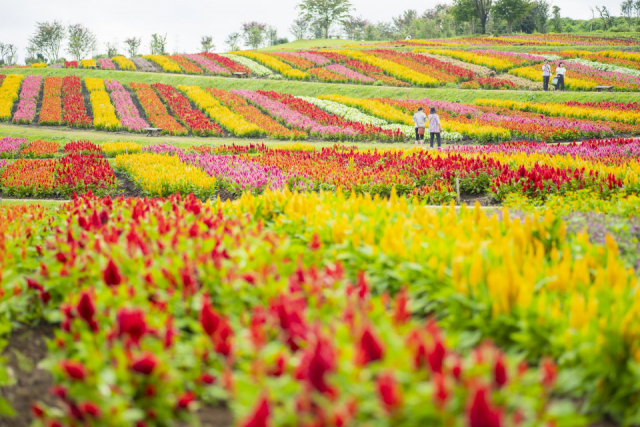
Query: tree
[(607, 20), (112, 49), (48, 38), (465, 11), (253, 33), (158, 44), (627, 10), (636, 8), (354, 27), (233, 41), (510, 10), (81, 41), (483, 8), (325, 13), (10, 55), (541, 15), (557, 20), (271, 34), (403, 22), (300, 26), (132, 46), (207, 44)]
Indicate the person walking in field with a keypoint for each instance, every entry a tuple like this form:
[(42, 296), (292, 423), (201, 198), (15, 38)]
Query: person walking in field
[(434, 126), (546, 75), (560, 73), (419, 119)]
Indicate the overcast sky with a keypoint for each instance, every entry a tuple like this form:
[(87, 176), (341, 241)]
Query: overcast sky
[(184, 21)]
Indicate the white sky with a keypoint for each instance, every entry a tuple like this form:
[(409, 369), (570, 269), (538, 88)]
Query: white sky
[(184, 21)]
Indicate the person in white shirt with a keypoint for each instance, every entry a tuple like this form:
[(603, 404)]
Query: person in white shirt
[(560, 73), (546, 75), (419, 120)]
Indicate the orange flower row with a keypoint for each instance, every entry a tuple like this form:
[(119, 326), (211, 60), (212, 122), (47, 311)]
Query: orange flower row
[(40, 149), (51, 110)]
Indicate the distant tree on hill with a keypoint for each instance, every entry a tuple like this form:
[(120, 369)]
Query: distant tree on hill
[(81, 41), (465, 11), (253, 34), (299, 28), (207, 44), (605, 15), (540, 12), (158, 44), (48, 38), (132, 46), (483, 9), (511, 11), (324, 13), (404, 21), (557, 20), (626, 8), (112, 49), (233, 41), (354, 27)]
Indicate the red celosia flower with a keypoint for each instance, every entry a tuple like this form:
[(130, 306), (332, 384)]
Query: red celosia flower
[(36, 410), (549, 372), (436, 356), (290, 314), (59, 391), (500, 371), (260, 415), (86, 310), (169, 334), (111, 274), (481, 414), (279, 367), (457, 368), (389, 391), (315, 243), (209, 319), (90, 409), (131, 322), (317, 362), (369, 348), (54, 423), (400, 313), (441, 394), (185, 400), (362, 287), (207, 378), (74, 370), (145, 363)]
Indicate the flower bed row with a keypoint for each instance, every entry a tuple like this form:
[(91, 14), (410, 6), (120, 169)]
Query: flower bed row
[(28, 99), (127, 111), (104, 114)]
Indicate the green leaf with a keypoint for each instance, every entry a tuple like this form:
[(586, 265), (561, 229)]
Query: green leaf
[(6, 409)]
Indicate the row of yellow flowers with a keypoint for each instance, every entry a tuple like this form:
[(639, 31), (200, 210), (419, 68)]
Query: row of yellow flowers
[(88, 63), (9, 94), (631, 56), (111, 149), (104, 114), (533, 73), (562, 110), (275, 64), (230, 121), (167, 65), (39, 65), (164, 175), (389, 67), (473, 58), (124, 63), (395, 115), (562, 294)]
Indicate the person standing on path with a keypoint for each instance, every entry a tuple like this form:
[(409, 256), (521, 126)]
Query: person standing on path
[(434, 126), (560, 73), (419, 120), (546, 75)]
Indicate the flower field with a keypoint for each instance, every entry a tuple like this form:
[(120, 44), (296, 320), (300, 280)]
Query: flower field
[(252, 114), (326, 290)]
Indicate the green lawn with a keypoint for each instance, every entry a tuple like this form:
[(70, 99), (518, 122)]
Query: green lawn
[(315, 89), (46, 203), (311, 44)]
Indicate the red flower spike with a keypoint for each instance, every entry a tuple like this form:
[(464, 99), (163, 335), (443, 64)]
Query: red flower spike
[(549, 372), (369, 348), (37, 411), (315, 243), (436, 356), (389, 392), (59, 391), (441, 394), (500, 377), (317, 362), (481, 414), (209, 319), (206, 378), (54, 423), (260, 416), (86, 309), (401, 314), (131, 322), (523, 367), (145, 363), (74, 370), (111, 274), (90, 409), (185, 400)]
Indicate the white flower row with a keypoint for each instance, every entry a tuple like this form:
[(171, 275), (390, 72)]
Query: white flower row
[(341, 110), (410, 132), (606, 67), (257, 69), (550, 57)]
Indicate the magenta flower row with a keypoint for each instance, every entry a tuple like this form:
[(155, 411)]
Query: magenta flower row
[(207, 64), (520, 55), (10, 147), (349, 73), (106, 64), (162, 149), (291, 117), (28, 99), (313, 57), (126, 110), (585, 127), (447, 106), (610, 75)]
